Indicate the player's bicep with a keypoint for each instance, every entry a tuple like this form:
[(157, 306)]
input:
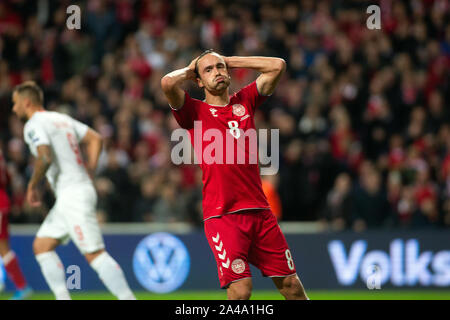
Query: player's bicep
[(91, 136), (80, 129), (186, 114), (268, 81), (173, 93)]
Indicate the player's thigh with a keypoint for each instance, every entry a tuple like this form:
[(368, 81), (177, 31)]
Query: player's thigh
[(53, 227), (91, 256), (229, 240), (4, 247), (5, 208), (4, 234), (81, 220), (44, 244), (270, 251)]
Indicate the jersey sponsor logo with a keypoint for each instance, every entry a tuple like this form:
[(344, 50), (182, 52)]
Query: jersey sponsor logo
[(238, 266), (221, 252), (161, 262), (238, 110), (213, 112)]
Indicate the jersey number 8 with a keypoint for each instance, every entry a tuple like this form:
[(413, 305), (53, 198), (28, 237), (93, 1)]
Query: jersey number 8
[(234, 128), (289, 259)]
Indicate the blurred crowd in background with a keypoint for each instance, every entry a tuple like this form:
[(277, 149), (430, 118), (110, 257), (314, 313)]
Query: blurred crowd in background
[(363, 115)]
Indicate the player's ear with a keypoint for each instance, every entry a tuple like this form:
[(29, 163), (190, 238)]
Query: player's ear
[(26, 102), (200, 82)]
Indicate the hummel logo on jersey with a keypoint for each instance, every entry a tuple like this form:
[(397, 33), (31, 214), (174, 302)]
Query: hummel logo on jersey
[(220, 254), (213, 112), (224, 255), (219, 247)]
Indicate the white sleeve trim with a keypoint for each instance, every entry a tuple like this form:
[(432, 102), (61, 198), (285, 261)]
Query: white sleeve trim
[(174, 108), (262, 95)]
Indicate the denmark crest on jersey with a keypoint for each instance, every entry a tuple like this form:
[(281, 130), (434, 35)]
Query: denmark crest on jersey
[(238, 266), (238, 110)]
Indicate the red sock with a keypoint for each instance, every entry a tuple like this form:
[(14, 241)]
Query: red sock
[(13, 270)]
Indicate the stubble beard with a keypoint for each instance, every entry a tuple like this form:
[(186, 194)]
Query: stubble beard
[(219, 87), (22, 116)]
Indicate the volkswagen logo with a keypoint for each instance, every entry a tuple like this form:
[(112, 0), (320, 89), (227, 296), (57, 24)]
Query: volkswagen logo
[(161, 262)]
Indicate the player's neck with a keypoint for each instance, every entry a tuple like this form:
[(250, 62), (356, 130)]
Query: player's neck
[(34, 110), (217, 100)]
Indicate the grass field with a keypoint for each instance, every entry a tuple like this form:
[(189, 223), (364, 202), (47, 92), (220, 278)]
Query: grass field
[(261, 295)]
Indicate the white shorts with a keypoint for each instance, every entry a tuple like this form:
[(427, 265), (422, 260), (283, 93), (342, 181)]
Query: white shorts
[(74, 217)]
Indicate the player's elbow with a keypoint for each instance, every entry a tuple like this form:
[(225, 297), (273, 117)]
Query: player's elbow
[(48, 158), (45, 155), (97, 138), (167, 83), (93, 137), (280, 65)]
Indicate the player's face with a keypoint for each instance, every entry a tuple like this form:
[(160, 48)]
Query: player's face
[(18, 105), (213, 73)]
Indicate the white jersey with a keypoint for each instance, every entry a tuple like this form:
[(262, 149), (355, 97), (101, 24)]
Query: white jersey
[(63, 134)]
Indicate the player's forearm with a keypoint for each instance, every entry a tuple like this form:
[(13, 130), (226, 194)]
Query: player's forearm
[(171, 85), (41, 166), (176, 78), (93, 150), (260, 64)]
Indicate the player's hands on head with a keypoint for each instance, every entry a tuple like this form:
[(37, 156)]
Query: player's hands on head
[(226, 62), (191, 65), (192, 75), (191, 70), (32, 197)]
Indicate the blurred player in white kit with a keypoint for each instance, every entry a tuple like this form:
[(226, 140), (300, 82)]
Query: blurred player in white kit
[(54, 139)]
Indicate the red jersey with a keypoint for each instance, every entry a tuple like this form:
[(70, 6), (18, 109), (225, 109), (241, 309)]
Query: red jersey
[(4, 200), (229, 184)]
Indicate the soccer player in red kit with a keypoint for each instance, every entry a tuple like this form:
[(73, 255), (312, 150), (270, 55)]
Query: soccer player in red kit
[(9, 258), (238, 222)]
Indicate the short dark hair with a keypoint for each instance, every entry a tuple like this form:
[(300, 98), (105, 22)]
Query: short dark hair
[(204, 53), (32, 91)]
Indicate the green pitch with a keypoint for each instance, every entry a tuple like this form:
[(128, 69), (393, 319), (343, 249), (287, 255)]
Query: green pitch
[(261, 295)]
